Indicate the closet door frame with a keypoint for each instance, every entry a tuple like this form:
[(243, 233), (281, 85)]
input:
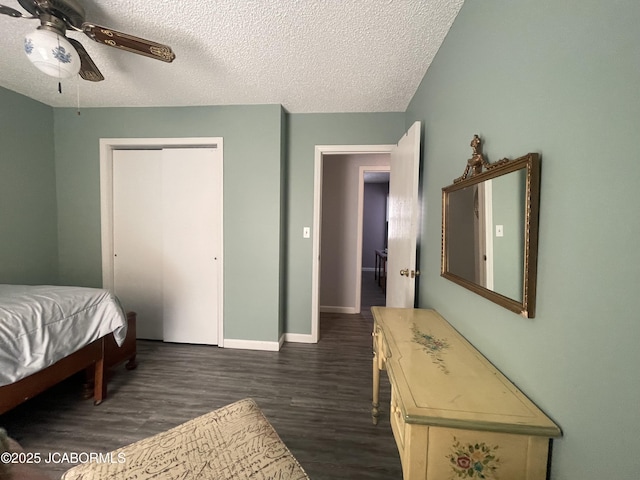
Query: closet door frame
[(107, 146)]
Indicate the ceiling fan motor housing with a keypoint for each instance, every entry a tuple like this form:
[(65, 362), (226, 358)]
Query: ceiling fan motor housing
[(70, 12), (54, 24)]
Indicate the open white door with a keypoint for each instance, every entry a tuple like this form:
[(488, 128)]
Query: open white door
[(404, 215)]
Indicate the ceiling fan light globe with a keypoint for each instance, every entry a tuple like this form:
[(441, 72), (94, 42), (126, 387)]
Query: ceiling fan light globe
[(51, 53)]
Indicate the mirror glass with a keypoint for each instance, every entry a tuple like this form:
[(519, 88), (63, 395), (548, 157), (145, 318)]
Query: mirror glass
[(489, 233)]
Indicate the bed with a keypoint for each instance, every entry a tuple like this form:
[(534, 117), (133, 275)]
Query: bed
[(48, 333)]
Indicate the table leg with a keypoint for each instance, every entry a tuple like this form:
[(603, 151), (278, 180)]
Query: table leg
[(375, 412), (375, 404)]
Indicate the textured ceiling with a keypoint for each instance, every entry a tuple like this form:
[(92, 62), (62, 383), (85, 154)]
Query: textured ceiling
[(308, 55)]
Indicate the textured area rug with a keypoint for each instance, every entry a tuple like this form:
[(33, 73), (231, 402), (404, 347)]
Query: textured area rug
[(235, 442)]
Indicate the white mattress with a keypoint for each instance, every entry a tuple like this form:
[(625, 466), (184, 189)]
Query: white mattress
[(40, 325)]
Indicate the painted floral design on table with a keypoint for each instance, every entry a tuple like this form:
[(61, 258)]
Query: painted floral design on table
[(433, 346), (474, 460)]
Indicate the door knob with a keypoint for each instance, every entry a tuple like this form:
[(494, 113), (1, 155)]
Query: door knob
[(404, 272)]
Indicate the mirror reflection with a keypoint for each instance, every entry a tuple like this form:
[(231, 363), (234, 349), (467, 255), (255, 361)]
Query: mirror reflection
[(486, 228), (489, 232)]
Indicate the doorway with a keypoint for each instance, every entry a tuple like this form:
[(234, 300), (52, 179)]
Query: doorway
[(404, 216), (325, 154), (375, 229)]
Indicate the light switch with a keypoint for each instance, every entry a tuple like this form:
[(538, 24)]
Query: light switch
[(306, 232), (499, 231)]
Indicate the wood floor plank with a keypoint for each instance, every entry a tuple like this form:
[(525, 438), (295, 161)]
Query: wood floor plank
[(317, 397)]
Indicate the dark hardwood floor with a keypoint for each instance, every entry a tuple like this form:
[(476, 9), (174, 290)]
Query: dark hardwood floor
[(317, 396)]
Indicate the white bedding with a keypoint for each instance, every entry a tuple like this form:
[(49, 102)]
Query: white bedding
[(40, 325)]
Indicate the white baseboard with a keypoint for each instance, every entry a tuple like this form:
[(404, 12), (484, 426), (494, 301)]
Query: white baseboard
[(298, 338), (328, 309), (253, 344)]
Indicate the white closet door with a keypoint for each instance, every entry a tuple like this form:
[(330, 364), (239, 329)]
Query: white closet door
[(137, 237), (167, 235), (192, 216)]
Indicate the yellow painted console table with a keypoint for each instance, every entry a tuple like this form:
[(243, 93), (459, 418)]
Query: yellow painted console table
[(453, 414)]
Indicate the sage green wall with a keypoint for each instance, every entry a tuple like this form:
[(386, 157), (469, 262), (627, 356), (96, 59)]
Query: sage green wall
[(252, 185), (28, 217), (305, 131), (561, 79)]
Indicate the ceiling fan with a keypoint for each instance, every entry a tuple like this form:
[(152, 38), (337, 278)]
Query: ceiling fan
[(51, 51)]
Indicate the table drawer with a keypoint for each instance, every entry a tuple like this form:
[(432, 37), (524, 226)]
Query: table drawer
[(380, 347), (398, 424), (457, 453)]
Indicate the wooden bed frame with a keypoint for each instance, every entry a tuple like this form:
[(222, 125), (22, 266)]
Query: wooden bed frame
[(96, 358)]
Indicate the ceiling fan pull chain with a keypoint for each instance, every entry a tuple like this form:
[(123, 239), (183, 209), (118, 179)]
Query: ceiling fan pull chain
[(78, 92), (59, 76)]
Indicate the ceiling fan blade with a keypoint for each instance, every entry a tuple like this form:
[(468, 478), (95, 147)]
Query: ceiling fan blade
[(128, 42), (88, 69), (12, 12)]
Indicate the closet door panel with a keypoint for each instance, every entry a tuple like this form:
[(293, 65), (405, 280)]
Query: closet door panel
[(137, 237), (191, 214)]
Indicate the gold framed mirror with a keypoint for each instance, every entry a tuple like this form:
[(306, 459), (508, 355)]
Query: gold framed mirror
[(490, 229)]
